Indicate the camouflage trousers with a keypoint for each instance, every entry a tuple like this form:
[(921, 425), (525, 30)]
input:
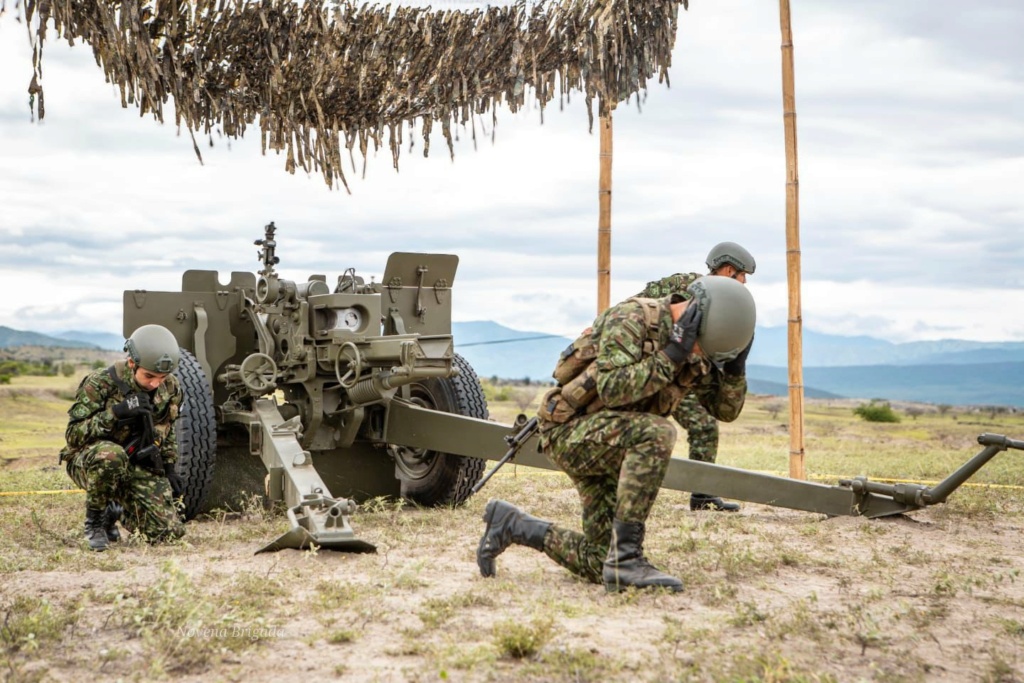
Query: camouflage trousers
[(617, 461), (701, 428), (104, 472)]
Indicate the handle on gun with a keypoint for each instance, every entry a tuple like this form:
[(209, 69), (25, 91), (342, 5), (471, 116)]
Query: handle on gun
[(514, 442)]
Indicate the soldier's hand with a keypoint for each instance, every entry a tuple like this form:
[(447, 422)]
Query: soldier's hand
[(133, 405), (738, 365), (175, 480), (148, 458), (684, 334)]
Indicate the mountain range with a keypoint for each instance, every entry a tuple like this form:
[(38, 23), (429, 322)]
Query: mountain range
[(950, 371)]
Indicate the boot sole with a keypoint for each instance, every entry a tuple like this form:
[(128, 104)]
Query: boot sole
[(615, 588)]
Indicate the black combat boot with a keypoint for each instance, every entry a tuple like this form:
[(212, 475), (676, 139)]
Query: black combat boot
[(626, 565), (703, 501), (94, 532), (507, 524), (111, 516)]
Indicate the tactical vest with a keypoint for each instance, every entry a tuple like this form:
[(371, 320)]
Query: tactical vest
[(576, 372)]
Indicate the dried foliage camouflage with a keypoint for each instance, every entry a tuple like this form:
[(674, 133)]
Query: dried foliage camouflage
[(321, 77)]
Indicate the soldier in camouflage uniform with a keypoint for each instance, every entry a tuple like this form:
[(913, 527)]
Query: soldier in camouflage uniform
[(730, 260), (616, 448), (121, 446)]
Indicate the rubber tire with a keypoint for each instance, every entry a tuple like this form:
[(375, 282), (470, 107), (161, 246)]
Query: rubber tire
[(196, 430), (451, 478)]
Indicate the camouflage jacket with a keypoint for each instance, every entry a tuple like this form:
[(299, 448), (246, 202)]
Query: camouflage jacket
[(629, 379), (673, 284), (91, 418)]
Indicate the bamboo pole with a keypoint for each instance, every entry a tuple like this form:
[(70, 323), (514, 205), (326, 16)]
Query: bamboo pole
[(796, 372), (604, 218)]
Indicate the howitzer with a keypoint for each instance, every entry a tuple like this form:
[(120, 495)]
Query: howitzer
[(321, 397)]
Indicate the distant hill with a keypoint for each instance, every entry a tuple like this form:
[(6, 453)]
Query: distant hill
[(10, 338), (104, 340), (498, 351), (830, 350), (956, 384)]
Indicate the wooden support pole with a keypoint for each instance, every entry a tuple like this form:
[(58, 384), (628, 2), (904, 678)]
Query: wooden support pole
[(796, 372), (604, 219)]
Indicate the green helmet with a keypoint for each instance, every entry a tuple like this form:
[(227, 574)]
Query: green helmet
[(733, 254), (153, 348), (727, 323)]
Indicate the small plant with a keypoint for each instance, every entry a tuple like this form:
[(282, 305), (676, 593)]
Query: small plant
[(30, 622), (876, 411), (517, 640)]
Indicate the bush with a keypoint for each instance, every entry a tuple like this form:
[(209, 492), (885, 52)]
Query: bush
[(876, 412)]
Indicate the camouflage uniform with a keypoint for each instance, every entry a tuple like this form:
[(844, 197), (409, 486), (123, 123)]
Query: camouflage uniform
[(96, 460), (618, 455), (701, 428)]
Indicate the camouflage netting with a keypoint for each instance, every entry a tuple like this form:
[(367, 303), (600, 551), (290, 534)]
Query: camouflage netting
[(318, 77)]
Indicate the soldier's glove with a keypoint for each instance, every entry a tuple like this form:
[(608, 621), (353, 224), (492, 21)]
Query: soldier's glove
[(175, 480), (684, 334), (148, 457), (133, 405), (738, 365)]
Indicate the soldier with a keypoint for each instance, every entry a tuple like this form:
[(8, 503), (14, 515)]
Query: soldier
[(608, 429), (121, 446), (730, 260)]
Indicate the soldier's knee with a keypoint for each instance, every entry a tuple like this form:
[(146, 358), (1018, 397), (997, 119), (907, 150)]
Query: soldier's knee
[(110, 456), (663, 435)]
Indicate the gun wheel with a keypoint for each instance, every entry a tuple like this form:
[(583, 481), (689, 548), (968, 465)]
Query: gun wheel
[(432, 478), (196, 430)]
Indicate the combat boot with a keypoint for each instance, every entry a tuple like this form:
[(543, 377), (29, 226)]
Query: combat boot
[(94, 532), (703, 501), (626, 565), (111, 516), (507, 524)]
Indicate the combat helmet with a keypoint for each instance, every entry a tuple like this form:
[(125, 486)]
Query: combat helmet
[(733, 254), (727, 323), (153, 348)]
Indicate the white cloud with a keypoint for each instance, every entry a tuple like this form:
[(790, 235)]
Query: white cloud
[(911, 162)]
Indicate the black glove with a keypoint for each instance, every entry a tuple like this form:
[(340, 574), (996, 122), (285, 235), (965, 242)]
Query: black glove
[(175, 480), (148, 457), (133, 405), (738, 365), (684, 334)]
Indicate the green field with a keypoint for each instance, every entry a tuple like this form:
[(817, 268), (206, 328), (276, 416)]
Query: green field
[(771, 594)]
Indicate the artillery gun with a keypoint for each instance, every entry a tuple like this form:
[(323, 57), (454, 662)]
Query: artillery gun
[(294, 381), (323, 397)]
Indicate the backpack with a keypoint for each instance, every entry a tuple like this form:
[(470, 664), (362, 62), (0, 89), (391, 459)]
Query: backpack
[(576, 373)]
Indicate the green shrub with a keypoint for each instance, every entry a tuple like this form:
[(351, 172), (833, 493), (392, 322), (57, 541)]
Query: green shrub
[(876, 412)]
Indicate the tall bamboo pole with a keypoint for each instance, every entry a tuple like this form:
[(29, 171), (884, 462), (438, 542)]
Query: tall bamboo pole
[(604, 218), (796, 372)]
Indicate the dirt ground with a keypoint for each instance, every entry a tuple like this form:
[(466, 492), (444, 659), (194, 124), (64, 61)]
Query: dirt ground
[(771, 595)]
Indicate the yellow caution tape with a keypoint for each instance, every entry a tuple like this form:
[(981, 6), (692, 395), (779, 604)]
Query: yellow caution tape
[(39, 493)]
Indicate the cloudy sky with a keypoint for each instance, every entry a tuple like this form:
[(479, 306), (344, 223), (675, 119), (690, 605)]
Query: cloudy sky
[(911, 141)]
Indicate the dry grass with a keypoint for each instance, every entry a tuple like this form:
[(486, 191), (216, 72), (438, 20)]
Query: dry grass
[(771, 594)]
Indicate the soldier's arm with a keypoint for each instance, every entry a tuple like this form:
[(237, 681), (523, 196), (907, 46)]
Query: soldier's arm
[(673, 284), (169, 440), (89, 420), (722, 395), (624, 374)]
